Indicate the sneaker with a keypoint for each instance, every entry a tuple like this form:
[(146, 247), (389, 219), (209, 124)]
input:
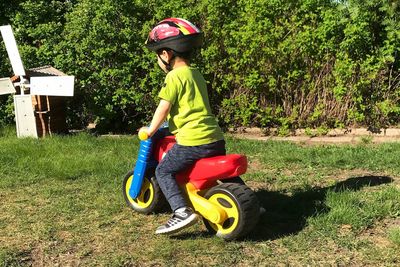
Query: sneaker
[(180, 219)]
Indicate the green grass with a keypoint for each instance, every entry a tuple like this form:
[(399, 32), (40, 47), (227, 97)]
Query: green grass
[(394, 235), (61, 204)]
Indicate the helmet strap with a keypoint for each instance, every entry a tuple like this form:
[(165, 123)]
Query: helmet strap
[(167, 65)]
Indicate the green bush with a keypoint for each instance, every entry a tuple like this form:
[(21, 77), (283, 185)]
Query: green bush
[(285, 64)]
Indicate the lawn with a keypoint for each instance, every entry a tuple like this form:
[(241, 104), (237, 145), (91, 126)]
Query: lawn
[(61, 204)]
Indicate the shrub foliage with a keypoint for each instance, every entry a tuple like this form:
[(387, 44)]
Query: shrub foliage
[(269, 63)]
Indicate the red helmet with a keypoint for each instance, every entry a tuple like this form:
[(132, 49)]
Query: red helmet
[(174, 33)]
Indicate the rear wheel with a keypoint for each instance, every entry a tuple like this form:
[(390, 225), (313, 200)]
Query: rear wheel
[(234, 180), (150, 199), (241, 205)]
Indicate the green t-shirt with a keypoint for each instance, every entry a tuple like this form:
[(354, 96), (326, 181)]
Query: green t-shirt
[(190, 118)]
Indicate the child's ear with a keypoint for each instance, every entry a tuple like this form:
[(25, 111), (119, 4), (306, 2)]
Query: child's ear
[(164, 54), (170, 54)]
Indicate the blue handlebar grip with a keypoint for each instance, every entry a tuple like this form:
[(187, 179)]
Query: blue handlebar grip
[(140, 167)]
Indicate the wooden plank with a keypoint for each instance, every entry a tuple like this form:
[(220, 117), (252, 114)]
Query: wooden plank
[(24, 116)]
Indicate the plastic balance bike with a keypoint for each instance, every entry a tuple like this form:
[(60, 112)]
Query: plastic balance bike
[(213, 187)]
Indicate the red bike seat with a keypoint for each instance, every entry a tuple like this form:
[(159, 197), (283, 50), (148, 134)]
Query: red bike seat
[(214, 168), (207, 170)]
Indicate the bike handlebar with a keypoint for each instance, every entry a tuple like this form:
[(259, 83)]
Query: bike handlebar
[(143, 135)]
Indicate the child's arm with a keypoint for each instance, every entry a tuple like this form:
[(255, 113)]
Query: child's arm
[(158, 118)]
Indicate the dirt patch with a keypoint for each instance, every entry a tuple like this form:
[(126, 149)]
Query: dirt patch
[(378, 234), (334, 136), (254, 164)]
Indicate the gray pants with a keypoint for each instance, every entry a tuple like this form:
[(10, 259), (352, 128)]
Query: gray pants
[(177, 159)]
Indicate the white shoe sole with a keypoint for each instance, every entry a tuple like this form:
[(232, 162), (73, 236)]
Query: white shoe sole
[(176, 228)]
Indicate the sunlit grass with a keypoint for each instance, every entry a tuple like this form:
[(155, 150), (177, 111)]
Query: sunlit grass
[(394, 235), (61, 204)]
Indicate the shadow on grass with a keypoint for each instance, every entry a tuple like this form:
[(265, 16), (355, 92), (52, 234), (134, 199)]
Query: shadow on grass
[(286, 215)]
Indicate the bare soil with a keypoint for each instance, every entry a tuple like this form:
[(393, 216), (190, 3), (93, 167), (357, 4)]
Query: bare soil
[(334, 136)]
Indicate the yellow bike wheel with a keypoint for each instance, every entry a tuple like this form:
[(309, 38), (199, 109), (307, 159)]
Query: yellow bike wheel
[(150, 198), (241, 206)]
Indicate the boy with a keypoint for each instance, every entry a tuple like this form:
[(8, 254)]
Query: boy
[(184, 99)]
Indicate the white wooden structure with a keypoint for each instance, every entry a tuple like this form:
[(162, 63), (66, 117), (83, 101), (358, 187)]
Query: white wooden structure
[(40, 86)]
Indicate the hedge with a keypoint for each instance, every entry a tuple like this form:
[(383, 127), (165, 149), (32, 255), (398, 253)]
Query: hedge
[(269, 63)]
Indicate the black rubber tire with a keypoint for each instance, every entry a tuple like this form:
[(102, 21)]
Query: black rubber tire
[(234, 180), (156, 203), (247, 206)]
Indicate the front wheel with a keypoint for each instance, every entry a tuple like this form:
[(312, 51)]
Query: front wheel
[(150, 198), (241, 205)]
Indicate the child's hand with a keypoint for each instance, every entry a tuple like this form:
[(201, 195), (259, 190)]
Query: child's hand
[(144, 133)]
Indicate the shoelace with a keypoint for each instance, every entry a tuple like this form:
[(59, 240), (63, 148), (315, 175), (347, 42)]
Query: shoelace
[(181, 214)]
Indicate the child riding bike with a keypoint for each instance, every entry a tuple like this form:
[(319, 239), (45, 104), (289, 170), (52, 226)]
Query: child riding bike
[(184, 102)]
